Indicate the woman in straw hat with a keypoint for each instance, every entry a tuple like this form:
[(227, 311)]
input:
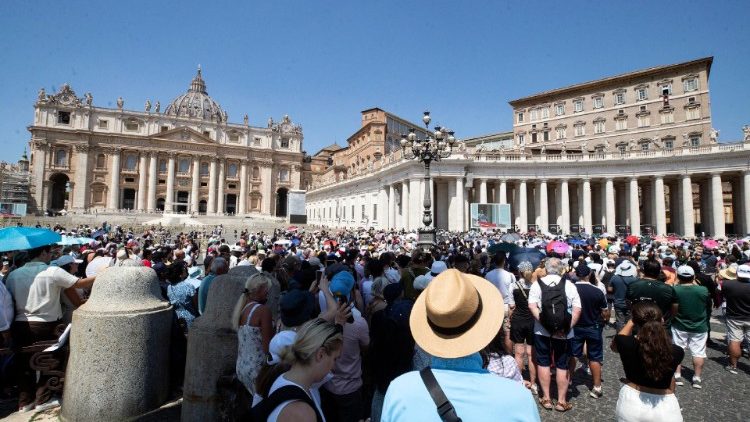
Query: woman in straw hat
[(456, 317)]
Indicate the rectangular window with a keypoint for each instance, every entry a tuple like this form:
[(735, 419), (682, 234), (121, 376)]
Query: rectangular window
[(693, 113), (691, 84), (520, 117), (667, 117), (131, 125), (622, 124), (257, 140), (642, 94), (598, 102), (534, 114), (580, 130), (164, 128), (644, 146), (103, 124), (559, 109), (546, 135), (352, 211), (620, 98), (545, 113), (284, 143), (644, 121), (363, 211), (599, 127), (207, 134), (695, 141), (533, 138), (233, 137), (63, 117), (668, 144), (560, 133), (578, 106), (666, 89), (520, 138)]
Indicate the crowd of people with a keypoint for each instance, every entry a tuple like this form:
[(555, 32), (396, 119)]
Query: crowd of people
[(351, 325)]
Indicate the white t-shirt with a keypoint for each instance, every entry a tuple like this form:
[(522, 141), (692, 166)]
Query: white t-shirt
[(502, 280), (36, 288), (571, 294), (281, 381)]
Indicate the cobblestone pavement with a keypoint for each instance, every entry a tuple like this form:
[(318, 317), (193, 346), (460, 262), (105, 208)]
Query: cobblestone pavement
[(724, 396)]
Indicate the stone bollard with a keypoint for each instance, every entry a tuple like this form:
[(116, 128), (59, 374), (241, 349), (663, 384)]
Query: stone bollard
[(243, 271), (119, 349), (212, 350)]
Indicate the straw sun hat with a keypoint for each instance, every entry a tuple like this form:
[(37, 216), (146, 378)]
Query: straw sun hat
[(457, 314)]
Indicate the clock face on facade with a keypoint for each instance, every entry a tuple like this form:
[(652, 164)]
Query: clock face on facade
[(286, 127)]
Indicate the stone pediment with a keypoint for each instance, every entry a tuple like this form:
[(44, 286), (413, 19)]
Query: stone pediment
[(183, 134)]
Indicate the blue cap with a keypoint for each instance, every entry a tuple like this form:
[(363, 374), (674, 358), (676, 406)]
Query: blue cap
[(342, 283)]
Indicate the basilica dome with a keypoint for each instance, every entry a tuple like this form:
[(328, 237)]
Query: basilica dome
[(196, 103)]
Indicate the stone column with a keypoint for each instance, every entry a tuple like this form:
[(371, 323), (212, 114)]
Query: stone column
[(543, 206), (405, 205), (415, 204), (81, 192), (220, 200), (461, 201), (169, 197), (609, 188), (659, 206), (565, 206), (211, 208), (112, 343), (114, 185), (142, 181), (523, 213), (442, 211), (482, 191), (717, 205), (266, 184), (242, 200), (39, 156), (152, 169), (503, 192), (195, 188), (635, 211), (392, 206), (587, 223), (745, 202)]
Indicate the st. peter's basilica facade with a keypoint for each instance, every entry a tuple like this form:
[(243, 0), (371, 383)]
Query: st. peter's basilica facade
[(186, 158)]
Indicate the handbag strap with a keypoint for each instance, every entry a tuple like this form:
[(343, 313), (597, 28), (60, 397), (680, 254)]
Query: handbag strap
[(444, 407)]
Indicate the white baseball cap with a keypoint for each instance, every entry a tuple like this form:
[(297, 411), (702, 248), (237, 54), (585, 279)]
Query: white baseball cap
[(65, 260), (743, 271)]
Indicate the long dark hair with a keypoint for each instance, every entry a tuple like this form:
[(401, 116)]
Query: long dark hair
[(654, 345)]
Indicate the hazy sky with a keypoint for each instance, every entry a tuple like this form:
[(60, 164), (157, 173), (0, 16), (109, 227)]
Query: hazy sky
[(322, 62)]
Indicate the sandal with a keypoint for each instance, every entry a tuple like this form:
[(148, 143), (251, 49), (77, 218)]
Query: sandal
[(563, 407), (546, 403)]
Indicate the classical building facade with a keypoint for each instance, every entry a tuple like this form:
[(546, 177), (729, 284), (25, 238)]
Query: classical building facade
[(186, 158), (652, 174)]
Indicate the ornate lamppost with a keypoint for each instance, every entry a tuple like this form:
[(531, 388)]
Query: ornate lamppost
[(436, 146)]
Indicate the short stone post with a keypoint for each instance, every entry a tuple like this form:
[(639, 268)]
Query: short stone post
[(212, 350), (119, 349)]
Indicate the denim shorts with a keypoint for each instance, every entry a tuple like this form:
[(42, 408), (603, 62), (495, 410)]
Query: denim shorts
[(545, 346), (592, 337)]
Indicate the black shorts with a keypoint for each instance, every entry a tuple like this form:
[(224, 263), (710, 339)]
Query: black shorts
[(522, 331)]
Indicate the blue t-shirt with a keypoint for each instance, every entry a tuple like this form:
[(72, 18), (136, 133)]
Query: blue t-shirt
[(203, 292), (619, 286), (593, 302), (476, 394)]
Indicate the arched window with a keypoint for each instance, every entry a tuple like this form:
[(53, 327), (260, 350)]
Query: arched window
[(256, 173), (101, 161), (61, 158), (232, 170), (283, 174)]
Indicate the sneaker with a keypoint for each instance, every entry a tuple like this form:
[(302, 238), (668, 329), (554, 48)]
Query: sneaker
[(596, 392), (27, 408), (534, 389), (678, 380), (48, 405), (697, 383), (731, 369)]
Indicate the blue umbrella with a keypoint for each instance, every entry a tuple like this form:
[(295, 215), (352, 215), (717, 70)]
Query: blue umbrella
[(68, 240), (22, 238), (577, 242), (532, 255)]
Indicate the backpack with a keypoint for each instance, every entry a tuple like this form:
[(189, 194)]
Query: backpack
[(262, 410), (554, 314)]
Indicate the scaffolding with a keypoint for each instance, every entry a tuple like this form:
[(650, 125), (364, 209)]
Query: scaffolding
[(14, 188)]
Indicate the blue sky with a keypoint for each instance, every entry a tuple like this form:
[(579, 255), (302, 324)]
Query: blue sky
[(322, 62)]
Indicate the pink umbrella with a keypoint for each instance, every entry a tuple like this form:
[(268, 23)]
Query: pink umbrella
[(558, 247), (710, 244)]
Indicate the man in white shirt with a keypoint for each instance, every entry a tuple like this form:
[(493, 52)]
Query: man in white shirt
[(36, 289), (502, 279), (545, 343)]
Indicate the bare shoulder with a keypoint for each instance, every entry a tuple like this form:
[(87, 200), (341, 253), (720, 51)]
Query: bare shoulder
[(297, 411)]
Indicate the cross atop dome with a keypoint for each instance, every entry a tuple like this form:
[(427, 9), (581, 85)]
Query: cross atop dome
[(198, 85)]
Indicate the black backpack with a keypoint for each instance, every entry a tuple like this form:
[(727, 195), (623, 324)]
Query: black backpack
[(262, 410), (554, 314)]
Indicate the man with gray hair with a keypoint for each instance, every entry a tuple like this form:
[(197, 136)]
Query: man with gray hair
[(556, 306), (219, 266)]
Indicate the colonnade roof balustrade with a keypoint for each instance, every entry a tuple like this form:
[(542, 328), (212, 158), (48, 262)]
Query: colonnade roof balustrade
[(640, 160)]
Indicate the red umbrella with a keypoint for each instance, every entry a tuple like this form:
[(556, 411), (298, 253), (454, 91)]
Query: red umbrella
[(291, 229), (632, 240), (331, 243), (710, 244), (558, 247)]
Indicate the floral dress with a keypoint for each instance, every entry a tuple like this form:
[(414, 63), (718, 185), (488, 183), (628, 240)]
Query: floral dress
[(250, 356)]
